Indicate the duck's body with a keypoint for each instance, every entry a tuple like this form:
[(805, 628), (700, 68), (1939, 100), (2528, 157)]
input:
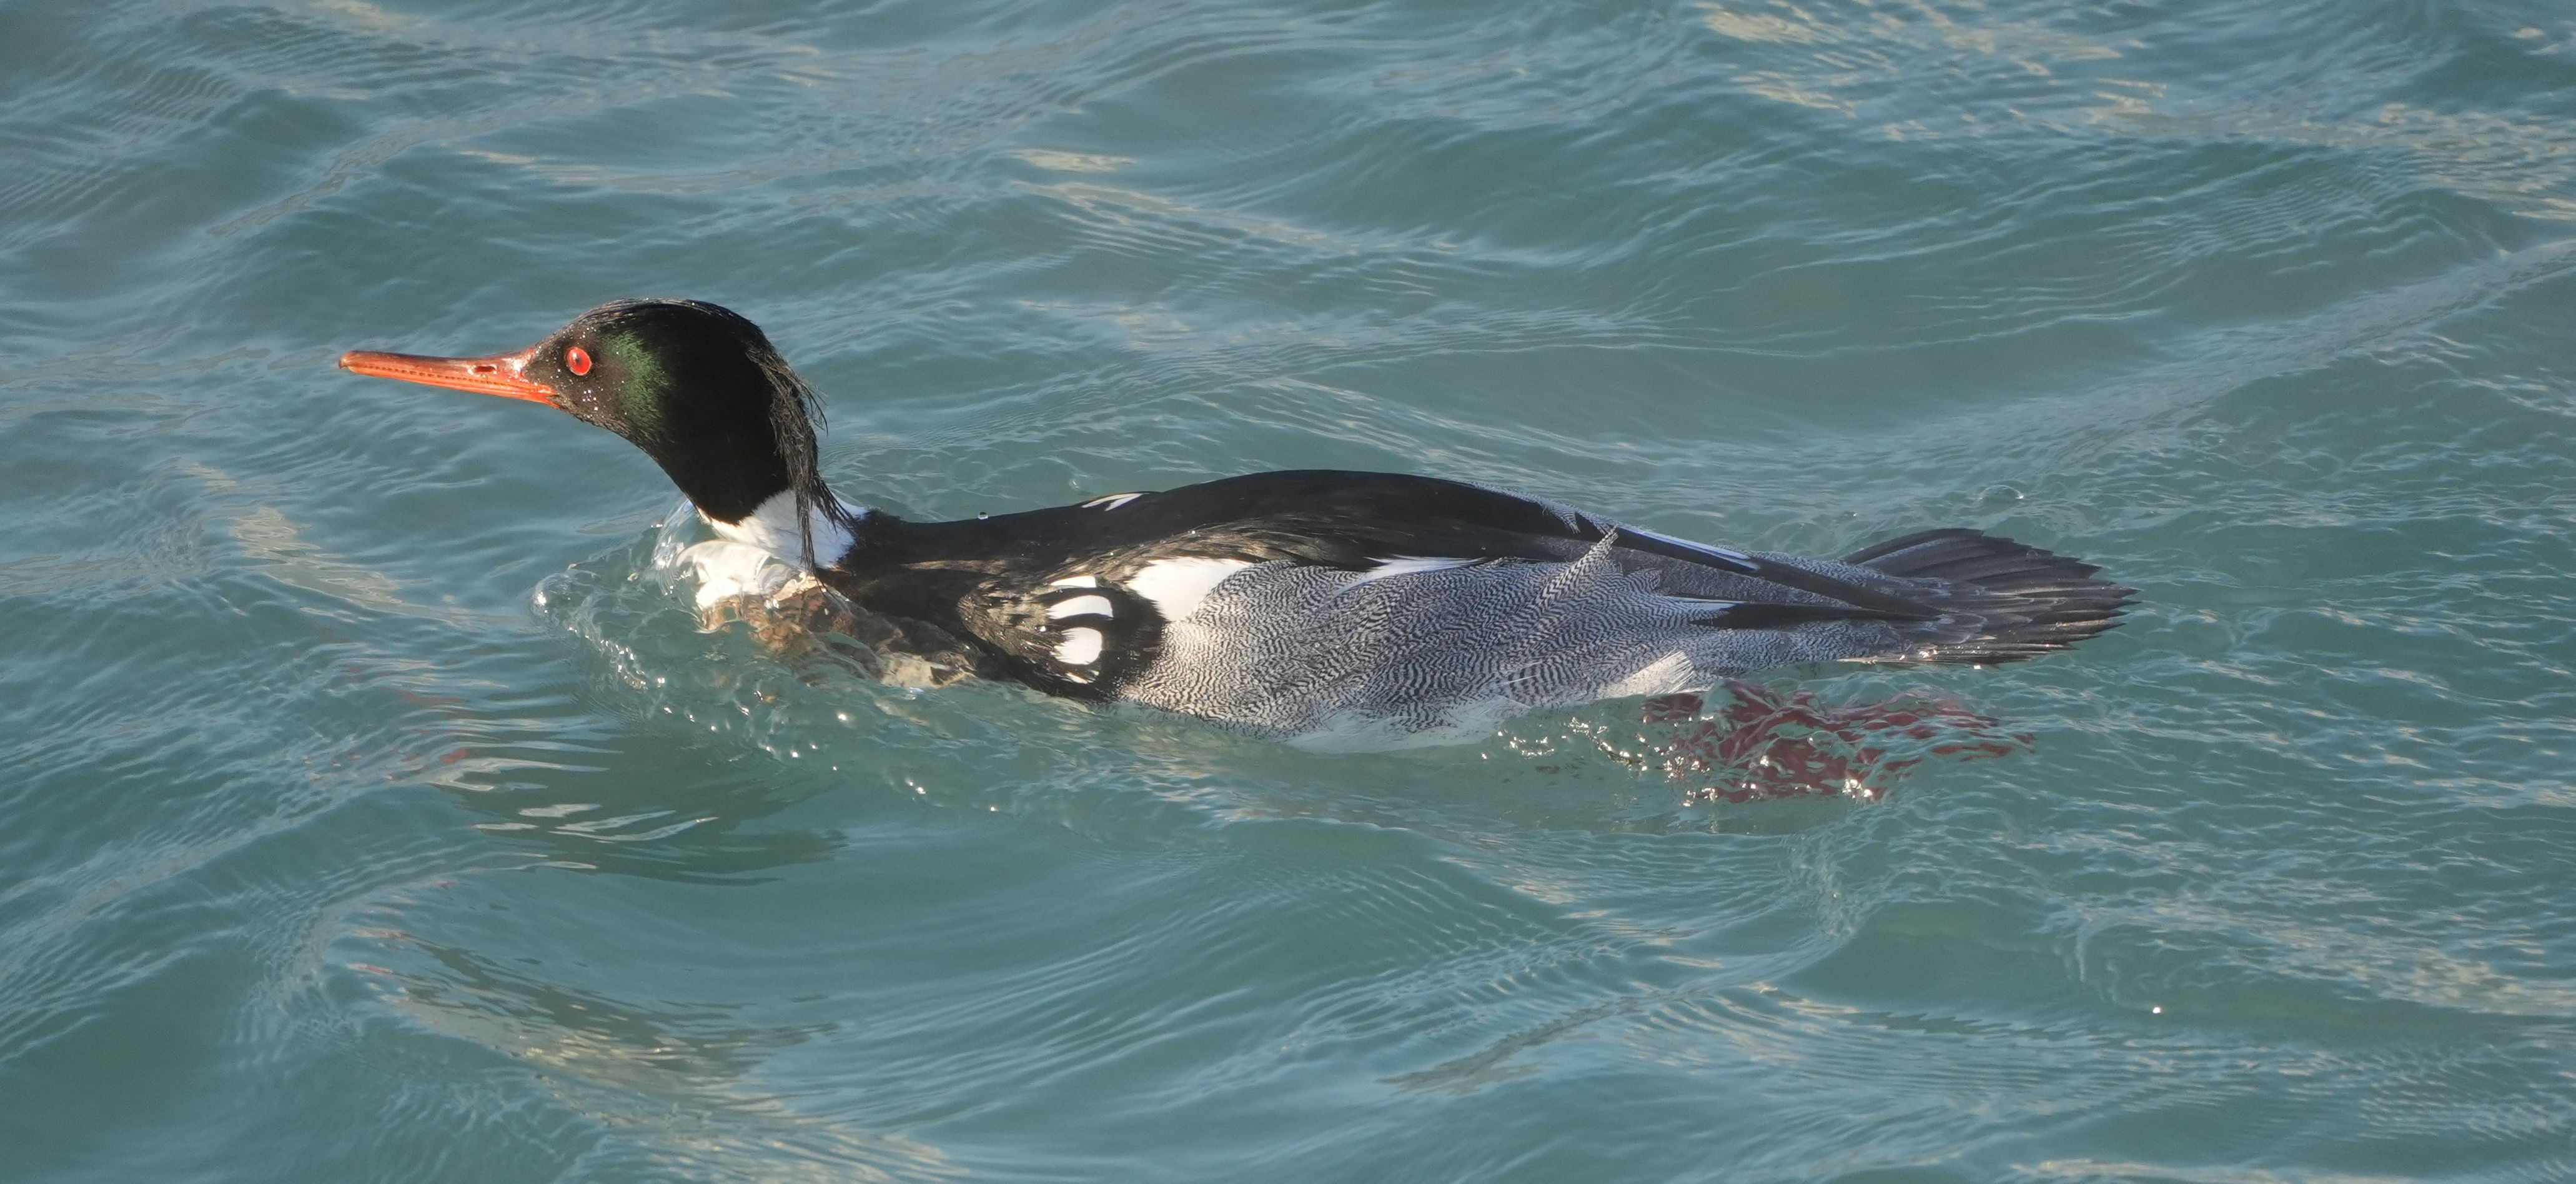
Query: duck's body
[(1358, 609)]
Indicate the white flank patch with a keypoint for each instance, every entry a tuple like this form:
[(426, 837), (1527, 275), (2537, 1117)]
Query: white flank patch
[(1111, 502), (1406, 565), (1079, 606), (772, 528), (1080, 647), (1176, 586), (1077, 582), (726, 570)]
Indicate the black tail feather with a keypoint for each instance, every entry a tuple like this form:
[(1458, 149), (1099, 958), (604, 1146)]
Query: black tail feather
[(2006, 601)]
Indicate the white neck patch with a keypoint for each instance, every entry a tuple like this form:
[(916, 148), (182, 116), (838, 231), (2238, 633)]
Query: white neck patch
[(772, 528)]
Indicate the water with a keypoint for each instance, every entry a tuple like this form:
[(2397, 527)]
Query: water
[(375, 811)]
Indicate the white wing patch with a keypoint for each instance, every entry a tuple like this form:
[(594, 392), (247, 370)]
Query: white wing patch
[(1076, 582), (1080, 647), (1111, 502), (1176, 586), (1406, 565), (1080, 606)]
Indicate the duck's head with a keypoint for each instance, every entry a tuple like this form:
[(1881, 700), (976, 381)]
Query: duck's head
[(695, 385)]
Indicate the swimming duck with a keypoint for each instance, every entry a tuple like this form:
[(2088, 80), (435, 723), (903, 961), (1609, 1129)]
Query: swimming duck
[(1345, 609)]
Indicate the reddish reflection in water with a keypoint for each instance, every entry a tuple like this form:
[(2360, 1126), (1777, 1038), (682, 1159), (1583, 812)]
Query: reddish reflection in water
[(1770, 744)]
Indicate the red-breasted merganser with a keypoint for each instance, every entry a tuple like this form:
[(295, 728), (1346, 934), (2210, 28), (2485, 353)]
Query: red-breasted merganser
[(1353, 609)]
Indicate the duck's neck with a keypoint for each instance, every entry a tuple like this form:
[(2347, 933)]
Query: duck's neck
[(772, 527)]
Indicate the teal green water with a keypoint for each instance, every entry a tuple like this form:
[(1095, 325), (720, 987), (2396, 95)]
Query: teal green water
[(375, 810)]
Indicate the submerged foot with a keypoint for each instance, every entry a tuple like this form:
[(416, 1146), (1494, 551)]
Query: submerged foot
[(1768, 744)]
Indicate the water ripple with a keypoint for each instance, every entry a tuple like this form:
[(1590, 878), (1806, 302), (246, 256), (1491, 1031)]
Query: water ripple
[(377, 807)]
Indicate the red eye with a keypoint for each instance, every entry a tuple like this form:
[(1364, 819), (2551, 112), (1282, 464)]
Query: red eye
[(577, 360)]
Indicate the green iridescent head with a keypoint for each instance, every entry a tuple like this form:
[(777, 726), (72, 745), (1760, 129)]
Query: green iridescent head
[(695, 385)]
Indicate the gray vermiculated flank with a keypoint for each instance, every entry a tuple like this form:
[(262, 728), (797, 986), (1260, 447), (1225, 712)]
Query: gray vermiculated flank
[(1286, 650)]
